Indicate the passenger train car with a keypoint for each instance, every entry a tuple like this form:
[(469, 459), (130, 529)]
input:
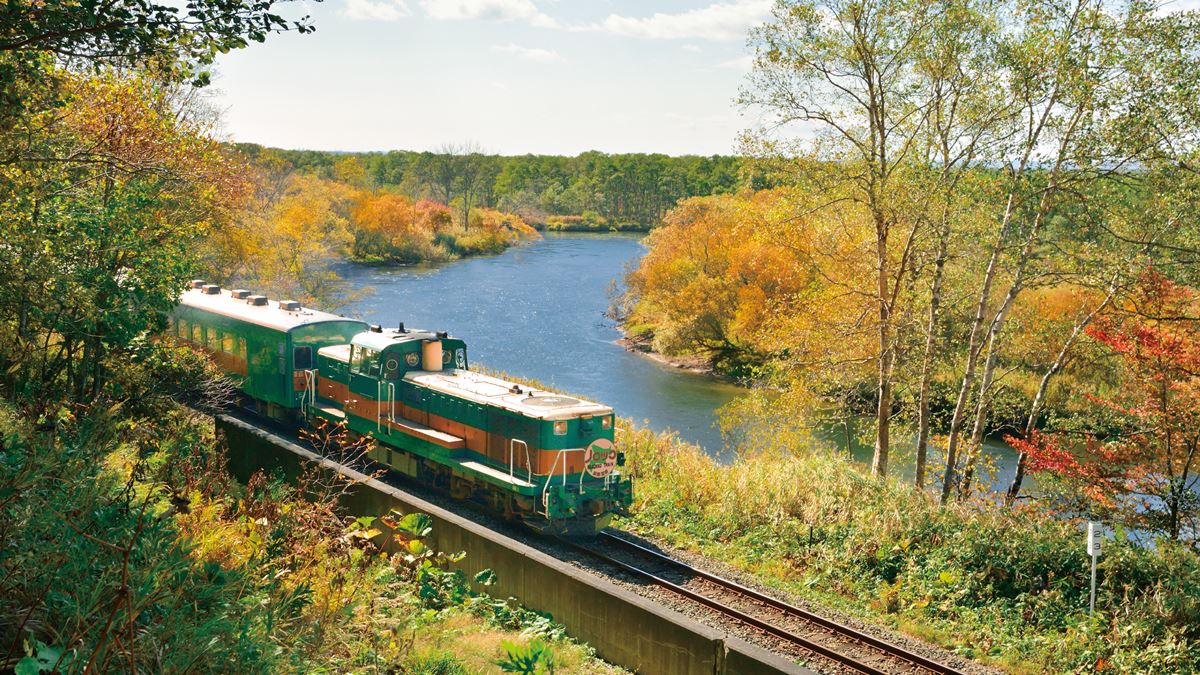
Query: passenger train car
[(532, 455)]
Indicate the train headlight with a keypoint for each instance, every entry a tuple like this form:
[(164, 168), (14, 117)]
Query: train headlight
[(606, 422), (560, 428)]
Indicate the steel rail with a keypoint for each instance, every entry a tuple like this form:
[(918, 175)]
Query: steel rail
[(843, 631)]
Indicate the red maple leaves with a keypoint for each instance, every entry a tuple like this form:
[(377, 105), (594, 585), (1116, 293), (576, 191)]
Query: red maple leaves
[(1145, 467)]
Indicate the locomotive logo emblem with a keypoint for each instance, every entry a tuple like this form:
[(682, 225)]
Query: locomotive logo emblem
[(600, 458), (412, 359)]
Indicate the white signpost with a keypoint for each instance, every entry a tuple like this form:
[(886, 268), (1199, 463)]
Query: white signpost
[(1095, 535)]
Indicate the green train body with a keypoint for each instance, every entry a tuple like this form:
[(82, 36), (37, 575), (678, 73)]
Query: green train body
[(528, 454)]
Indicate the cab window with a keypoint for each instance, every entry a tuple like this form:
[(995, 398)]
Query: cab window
[(365, 361), (302, 358)]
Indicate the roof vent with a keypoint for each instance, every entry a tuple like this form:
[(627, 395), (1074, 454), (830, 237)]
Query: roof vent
[(257, 300), (211, 289), (442, 335), (289, 305), (197, 283), (401, 329), (376, 328), (239, 294)]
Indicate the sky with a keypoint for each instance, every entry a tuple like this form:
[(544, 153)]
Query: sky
[(510, 76)]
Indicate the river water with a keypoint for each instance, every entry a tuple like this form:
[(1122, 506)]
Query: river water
[(537, 311)]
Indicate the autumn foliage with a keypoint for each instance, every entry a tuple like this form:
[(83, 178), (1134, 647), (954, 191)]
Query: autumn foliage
[(392, 226), (736, 280), (299, 225), (1144, 470)]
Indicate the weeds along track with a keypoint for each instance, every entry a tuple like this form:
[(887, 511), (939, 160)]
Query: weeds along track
[(849, 648)]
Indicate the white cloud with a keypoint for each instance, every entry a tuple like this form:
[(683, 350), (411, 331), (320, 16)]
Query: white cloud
[(691, 48), (720, 21), (529, 53), (376, 10), (495, 10), (742, 63)]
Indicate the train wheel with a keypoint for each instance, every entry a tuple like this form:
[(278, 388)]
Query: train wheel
[(460, 488)]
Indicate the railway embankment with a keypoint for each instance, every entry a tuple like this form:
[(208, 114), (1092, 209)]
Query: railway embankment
[(623, 627)]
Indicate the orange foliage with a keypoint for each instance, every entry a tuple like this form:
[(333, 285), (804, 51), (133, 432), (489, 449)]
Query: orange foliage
[(491, 220), (739, 277)]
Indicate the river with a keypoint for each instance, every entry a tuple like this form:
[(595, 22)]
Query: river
[(537, 311)]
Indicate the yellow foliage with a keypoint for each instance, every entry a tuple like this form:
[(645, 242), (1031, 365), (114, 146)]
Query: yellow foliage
[(742, 274)]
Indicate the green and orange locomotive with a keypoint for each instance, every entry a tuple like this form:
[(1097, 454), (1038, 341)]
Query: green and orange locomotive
[(546, 459)]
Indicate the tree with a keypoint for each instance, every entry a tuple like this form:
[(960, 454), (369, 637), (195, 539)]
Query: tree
[(1144, 472), (848, 69), (177, 40), (140, 180), (1086, 78)]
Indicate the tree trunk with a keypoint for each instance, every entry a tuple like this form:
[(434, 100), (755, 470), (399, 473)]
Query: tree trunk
[(983, 404), (973, 349), (883, 415), (935, 300)]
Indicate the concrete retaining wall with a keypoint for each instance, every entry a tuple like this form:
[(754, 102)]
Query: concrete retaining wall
[(624, 628)]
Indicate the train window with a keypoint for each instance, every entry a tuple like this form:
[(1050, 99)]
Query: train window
[(302, 358), (214, 339), (241, 347), (227, 343), (198, 334), (365, 361), (182, 328)]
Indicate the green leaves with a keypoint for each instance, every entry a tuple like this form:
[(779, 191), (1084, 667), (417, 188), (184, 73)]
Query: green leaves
[(42, 658), (414, 525), (532, 658)]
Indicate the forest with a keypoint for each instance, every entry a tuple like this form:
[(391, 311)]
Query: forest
[(592, 191)]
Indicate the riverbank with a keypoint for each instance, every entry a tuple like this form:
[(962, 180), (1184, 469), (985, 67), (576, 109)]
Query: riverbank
[(1005, 586), (643, 345)]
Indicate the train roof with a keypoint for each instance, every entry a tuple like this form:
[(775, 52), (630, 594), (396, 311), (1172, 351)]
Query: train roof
[(387, 337), (489, 390), (270, 315)]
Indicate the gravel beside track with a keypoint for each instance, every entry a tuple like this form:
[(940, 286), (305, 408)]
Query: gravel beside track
[(847, 647)]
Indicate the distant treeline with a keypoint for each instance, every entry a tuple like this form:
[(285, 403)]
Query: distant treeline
[(593, 190)]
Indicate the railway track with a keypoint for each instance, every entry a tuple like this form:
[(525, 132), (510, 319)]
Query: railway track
[(798, 627)]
